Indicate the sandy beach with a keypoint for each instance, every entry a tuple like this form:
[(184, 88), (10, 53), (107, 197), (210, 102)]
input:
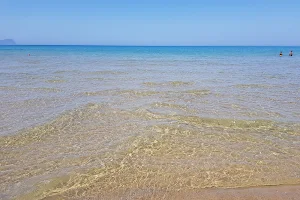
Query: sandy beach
[(290, 192), (149, 100)]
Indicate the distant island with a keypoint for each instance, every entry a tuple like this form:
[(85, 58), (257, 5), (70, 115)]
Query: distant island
[(7, 42)]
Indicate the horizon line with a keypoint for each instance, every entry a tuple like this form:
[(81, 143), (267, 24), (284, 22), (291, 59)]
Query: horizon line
[(113, 45)]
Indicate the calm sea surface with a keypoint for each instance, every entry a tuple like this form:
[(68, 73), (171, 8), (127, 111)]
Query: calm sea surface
[(103, 121)]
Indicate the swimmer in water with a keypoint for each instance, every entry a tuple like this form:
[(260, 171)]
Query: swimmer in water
[(291, 53), (280, 53)]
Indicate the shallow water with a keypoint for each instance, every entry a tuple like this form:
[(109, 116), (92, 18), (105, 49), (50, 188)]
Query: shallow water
[(84, 121)]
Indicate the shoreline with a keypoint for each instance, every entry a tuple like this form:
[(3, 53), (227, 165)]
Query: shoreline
[(280, 192)]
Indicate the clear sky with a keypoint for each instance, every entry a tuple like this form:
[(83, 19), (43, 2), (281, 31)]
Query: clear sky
[(151, 22)]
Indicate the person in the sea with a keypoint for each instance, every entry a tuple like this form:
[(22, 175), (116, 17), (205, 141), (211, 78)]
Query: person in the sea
[(291, 53), (280, 53)]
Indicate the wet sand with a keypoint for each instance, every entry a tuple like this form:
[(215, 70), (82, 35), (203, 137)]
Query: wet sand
[(254, 193)]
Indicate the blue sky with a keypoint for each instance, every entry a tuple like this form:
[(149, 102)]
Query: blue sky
[(153, 22)]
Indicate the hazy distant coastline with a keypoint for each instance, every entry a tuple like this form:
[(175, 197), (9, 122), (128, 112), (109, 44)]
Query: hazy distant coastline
[(7, 42)]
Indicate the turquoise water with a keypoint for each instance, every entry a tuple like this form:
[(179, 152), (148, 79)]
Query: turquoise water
[(162, 118), (255, 79)]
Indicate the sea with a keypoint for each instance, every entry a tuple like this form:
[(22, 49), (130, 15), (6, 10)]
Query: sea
[(126, 122)]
